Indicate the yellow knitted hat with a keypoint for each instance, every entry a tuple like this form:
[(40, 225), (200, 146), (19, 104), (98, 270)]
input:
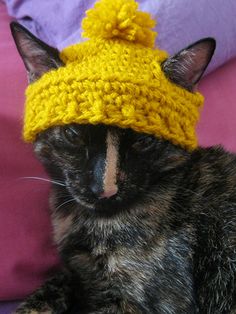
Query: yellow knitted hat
[(114, 78)]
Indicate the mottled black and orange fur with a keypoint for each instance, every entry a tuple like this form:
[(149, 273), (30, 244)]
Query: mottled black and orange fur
[(165, 243), (172, 250)]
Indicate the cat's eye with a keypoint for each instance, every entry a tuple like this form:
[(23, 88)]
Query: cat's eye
[(144, 144), (72, 135), (137, 146)]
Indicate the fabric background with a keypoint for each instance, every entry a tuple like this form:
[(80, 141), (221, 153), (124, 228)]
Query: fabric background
[(27, 254)]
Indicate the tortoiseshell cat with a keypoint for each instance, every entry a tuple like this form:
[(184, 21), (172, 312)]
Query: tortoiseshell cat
[(142, 226)]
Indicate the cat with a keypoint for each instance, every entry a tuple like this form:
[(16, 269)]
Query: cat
[(141, 224)]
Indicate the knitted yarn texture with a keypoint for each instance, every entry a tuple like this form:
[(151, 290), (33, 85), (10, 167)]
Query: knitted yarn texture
[(114, 78)]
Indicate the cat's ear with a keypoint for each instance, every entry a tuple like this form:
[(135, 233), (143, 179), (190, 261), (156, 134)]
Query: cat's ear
[(187, 67), (37, 56)]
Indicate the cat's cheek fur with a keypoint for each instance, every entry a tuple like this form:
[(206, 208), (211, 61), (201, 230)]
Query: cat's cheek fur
[(61, 227)]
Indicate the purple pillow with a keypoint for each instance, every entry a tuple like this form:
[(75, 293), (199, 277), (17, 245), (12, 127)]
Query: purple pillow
[(179, 23), (8, 307)]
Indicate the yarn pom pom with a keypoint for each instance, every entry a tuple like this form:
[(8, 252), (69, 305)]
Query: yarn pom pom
[(119, 19)]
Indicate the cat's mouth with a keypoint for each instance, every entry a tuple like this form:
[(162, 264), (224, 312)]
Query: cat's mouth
[(122, 200), (105, 206), (112, 203)]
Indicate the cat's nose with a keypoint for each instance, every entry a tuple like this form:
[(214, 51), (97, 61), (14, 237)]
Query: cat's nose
[(100, 193), (96, 189), (108, 194)]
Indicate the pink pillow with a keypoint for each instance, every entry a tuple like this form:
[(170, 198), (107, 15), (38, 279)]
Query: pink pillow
[(27, 254), (26, 250), (217, 124)]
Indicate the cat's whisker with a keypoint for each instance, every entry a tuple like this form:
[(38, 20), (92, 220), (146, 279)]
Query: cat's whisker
[(44, 179), (66, 202)]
